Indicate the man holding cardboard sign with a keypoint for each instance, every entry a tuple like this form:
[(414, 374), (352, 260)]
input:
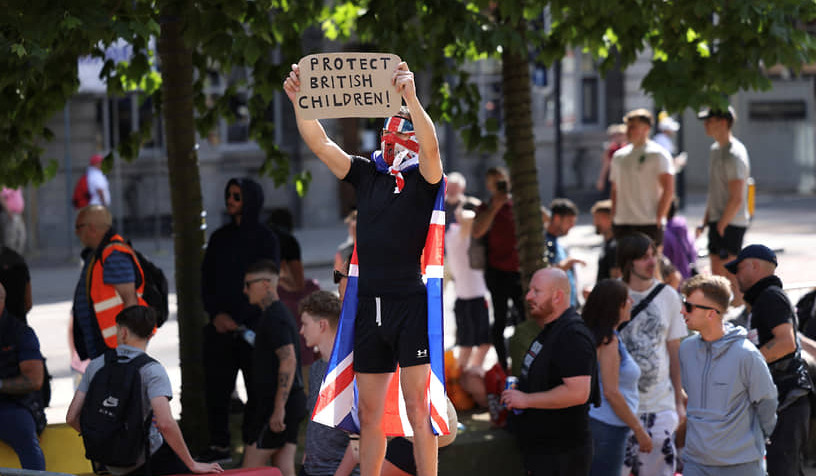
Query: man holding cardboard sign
[(396, 192)]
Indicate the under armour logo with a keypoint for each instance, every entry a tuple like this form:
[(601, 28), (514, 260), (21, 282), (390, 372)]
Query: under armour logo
[(422, 353)]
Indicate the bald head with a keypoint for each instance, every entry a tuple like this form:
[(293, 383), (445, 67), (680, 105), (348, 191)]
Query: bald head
[(549, 294), (91, 225), (554, 278)]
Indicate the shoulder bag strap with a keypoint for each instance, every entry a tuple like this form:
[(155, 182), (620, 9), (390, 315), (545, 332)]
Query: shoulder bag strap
[(642, 304)]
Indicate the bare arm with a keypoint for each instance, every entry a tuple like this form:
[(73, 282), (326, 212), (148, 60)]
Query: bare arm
[(605, 160), (348, 463), (74, 409), (666, 197), (127, 291), (430, 163), (172, 435), (286, 374), (782, 344), (29, 380), (313, 134), (808, 345), (574, 391), (673, 347), (613, 195), (609, 360), (484, 218), (735, 188)]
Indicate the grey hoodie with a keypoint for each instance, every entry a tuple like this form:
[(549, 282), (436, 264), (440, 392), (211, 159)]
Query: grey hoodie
[(731, 399)]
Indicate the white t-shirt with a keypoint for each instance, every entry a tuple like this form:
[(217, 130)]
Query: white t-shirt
[(96, 182), (468, 282), (635, 172), (645, 338)]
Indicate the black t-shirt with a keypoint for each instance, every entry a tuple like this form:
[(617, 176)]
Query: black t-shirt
[(606, 261), (275, 329), (571, 355), (14, 276), (391, 228), (770, 307)]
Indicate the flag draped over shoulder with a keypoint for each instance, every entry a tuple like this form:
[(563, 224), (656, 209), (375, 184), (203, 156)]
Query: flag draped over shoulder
[(337, 402)]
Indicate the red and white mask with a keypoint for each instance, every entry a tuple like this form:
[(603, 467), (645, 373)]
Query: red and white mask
[(399, 141)]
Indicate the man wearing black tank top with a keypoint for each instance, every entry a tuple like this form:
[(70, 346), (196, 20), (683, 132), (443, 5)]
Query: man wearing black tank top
[(395, 198)]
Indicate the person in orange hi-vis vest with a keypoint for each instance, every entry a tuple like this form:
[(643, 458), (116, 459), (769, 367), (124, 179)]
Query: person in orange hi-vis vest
[(111, 280)]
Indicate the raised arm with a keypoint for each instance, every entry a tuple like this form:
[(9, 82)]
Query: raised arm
[(430, 163), (313, 133)]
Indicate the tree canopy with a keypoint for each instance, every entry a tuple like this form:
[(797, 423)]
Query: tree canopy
[(702, 51)]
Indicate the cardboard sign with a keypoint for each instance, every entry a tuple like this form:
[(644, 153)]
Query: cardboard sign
[(347, 85)]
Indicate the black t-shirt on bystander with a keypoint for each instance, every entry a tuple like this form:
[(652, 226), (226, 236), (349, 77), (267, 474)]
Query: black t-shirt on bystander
[(572, 355), (275, 329)]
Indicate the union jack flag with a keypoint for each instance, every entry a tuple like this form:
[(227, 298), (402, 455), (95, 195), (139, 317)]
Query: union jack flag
[(337, 402)]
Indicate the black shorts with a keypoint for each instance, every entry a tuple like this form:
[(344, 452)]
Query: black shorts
[(400, 453), (472, 322), (652, 231), (388, 330), (728, 245), (266, 439)]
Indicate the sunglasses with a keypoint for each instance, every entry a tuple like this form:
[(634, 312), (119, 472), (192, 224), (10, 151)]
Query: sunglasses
[(250, 282), (338, 275), (690, 307), (235, 196)]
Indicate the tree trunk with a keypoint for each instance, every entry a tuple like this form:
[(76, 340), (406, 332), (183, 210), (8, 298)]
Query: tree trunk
[(520, 158), (188, 232)]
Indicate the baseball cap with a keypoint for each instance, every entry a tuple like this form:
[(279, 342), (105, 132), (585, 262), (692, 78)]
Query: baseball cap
[(752, 251), (729, 113), (96, 159)]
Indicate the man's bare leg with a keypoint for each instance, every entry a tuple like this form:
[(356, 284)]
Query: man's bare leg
[(373, 389), (718, 268), (255, 457), (413, 380), (284, 459)]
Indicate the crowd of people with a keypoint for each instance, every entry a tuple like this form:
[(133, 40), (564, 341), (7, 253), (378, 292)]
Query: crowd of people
[(642, 373)]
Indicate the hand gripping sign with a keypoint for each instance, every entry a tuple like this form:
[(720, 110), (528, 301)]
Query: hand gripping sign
[(336, 85)]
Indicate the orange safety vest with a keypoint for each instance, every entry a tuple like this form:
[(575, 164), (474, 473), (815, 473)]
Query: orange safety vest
[(103, 297)]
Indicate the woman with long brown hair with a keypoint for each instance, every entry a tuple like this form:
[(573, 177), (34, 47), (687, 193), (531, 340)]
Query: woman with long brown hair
[(607, 306)]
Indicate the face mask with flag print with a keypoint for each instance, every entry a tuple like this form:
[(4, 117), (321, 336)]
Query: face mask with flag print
[(396, 150)]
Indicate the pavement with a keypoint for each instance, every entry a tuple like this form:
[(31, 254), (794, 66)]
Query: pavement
[(786, 223)]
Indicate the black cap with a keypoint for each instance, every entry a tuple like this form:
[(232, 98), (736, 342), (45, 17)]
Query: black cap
[(752, 251), (728, 114)]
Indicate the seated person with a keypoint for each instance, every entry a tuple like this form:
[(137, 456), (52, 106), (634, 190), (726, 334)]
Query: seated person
[(21, 376), (168, 451)]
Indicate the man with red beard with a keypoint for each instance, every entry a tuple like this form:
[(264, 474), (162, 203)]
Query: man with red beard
[(555, 388), (395, 198)]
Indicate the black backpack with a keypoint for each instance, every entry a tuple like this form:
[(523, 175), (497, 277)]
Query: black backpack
[(111, 423), (156, 289)]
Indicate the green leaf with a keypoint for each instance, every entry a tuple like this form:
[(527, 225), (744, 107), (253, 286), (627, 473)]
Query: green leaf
[(18, 49)]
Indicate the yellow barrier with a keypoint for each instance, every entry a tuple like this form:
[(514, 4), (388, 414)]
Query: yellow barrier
[(62, 447)]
